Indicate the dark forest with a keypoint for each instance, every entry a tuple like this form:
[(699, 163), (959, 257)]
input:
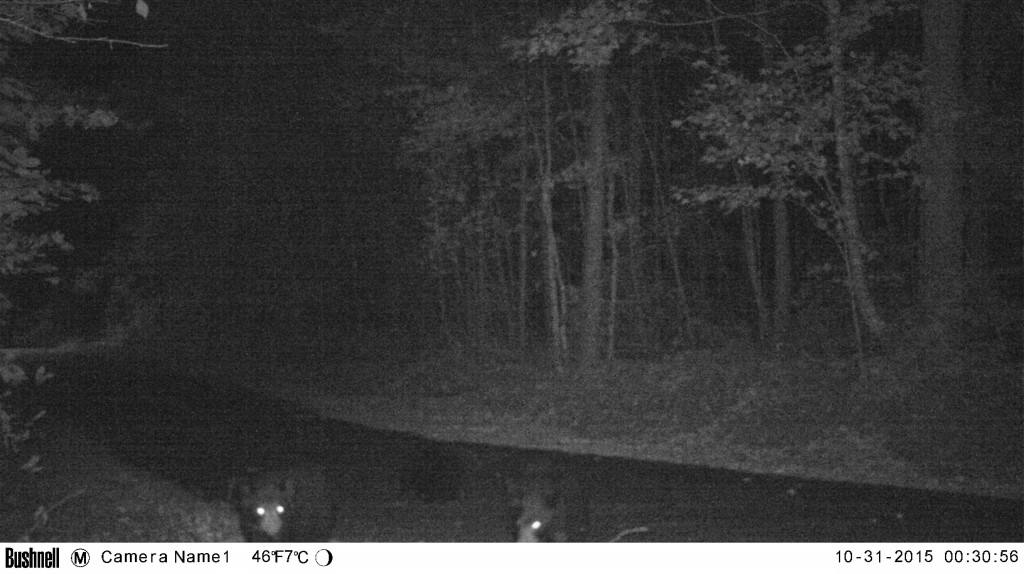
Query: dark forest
[(765, 236)]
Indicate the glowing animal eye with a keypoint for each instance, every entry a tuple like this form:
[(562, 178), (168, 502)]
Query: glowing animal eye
[(260, 511), (536, 524), (280, 510)]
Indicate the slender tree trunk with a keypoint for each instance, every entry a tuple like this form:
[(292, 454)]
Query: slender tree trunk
[(942, 249), (633, 201), (613, 276), (593, 226), (442, 309), (639, 290), (751, 250), (551, 288), (783, 276), (783, 273), (481, 295), (700, 239), (684, 314), (576, 143), (553, 296), (683, 311), (508, 264), (523, 256), (849, 222)]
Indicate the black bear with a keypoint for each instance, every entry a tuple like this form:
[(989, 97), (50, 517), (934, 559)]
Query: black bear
[(547, 502), (287, 505)]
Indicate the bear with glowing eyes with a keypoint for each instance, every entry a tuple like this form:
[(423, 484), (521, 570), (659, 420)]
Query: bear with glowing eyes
[(548, 503), (288, 505)]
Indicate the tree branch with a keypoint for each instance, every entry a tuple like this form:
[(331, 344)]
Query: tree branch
[(77, 39)]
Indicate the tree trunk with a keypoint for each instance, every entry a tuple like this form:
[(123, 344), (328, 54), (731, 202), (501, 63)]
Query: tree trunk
[(783, 273), (552, 293), (614, 233), (846, 203), (783, 276), (666, 224), (633, 201), (942, 271), (751, 250), (593, 230), (523, 259)]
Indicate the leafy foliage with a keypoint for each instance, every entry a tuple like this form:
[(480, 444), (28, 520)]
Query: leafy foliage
[(16, 423), (779, 128), (588, 37), (25, 187), (25, 20), (26, 190)]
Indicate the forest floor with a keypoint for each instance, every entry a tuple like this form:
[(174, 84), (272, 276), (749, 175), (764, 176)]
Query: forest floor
[(919, 418)]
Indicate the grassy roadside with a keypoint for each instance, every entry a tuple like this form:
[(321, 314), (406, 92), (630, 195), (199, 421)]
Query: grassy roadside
[(915, 418)]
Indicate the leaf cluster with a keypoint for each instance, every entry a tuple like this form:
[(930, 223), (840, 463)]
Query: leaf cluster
[(588, 37), (26, 189), (16, 425), (27, 20), (780, 126)]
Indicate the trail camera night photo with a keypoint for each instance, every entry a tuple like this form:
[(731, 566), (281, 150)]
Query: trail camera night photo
[(323, 271)]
